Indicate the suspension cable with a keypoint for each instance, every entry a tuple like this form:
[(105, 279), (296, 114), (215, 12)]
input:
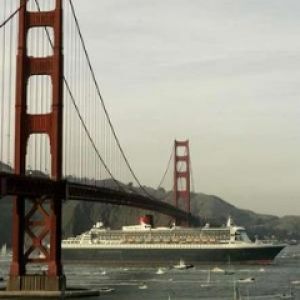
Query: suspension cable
[(10, 17), (103, 106), (80, 116), (192, 178), (166, 170), (89, 135), (102, 100)]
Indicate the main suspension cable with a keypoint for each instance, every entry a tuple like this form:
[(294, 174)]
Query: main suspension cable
[(10, 17), (166, 170), (80, 116), (102, 100)]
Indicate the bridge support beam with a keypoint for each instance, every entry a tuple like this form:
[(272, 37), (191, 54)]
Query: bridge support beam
[(37, 219), (12, 185)]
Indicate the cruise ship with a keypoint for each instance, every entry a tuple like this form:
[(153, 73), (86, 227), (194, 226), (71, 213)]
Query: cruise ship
[(143, 244)]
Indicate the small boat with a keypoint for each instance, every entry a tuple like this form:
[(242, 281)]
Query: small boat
[(289, 295), (143, 286), (182, 266), (207, 280), (246, 280), (292, 243), (236, 292), (103, 272), (3, 251), (217, 270), (160, 271), (106, 290), (229, 271), (286, 296)]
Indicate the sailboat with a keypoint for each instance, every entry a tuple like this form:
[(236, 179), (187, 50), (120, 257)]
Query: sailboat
[(236, 292), (207, 280), (289, 295), (229, 271), (160, 271), (143, 286), (3, 250), (182, 265)]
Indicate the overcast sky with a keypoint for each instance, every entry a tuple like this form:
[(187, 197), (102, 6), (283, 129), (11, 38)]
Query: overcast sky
[(223, 73)]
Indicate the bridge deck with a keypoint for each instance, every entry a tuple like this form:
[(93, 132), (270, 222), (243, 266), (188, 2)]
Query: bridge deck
[(28, 186)]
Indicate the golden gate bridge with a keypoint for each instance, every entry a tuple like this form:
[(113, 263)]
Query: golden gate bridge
[(57, 137)]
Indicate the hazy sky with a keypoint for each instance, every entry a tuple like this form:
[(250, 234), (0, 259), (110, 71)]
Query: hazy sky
[(223, 73)]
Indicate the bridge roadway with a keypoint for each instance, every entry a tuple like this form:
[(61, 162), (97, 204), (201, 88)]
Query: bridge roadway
[(31, 187)]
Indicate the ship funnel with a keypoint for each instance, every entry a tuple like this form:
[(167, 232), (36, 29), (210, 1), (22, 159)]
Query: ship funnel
[(146, 220)]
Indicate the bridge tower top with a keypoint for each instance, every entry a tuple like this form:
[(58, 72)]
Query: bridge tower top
[(182, 175)]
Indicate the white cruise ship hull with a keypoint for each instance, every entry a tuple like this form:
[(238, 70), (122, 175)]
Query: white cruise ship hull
[(164, 254)]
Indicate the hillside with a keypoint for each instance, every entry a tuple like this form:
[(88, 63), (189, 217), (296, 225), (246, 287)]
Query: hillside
[(80, 216)]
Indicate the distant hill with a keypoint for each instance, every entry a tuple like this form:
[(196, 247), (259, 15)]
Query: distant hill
[(80, 216)]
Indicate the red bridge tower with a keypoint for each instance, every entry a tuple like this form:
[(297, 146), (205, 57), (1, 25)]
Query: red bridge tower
[(182, 175), (37, 221)]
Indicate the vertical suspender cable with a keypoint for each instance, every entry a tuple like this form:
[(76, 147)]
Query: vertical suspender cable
[(103, 104), (10, 83), (3, 85), (67, 66), (166, 170)]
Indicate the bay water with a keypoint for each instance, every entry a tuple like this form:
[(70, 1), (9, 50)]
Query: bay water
[(276, 281)]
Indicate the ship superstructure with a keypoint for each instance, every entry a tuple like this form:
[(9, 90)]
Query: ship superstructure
[(145, 234)]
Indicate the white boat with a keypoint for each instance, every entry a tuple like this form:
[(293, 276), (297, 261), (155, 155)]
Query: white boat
[(207, 280), (246, 280), (3, 250), (160, 271), (143, 286), (182, 265), (5, 255), (236, 292), (217, 270), (106, 290), (229, 270)]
